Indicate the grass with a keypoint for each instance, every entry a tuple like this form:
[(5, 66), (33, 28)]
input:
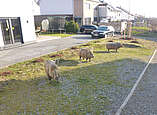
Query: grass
[(58, 35), (147, 34), (139, 30), (84, 88)]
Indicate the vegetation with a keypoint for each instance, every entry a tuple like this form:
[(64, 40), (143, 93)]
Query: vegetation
[(83, 87), (71, 27), (59, 35), (140, 30)]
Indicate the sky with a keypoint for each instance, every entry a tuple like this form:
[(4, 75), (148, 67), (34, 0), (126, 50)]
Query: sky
[(147, 8)]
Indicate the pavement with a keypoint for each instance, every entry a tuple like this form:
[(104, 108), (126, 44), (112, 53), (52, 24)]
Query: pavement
[(39, 48), (144, 98)]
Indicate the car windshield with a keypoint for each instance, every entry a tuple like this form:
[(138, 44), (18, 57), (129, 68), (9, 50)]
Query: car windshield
[(89, 27), (103, 28)]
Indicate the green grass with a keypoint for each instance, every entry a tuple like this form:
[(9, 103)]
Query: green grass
[(58, 35), (139, 30), (84, 87), (147, 34)]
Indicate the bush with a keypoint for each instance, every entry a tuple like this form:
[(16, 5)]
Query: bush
[(71, 27)]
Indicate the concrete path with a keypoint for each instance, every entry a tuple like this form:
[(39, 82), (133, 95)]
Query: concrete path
[(41, 47), (144, 98)]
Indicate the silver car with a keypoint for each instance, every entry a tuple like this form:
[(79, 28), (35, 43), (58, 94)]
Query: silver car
[(103, 32)]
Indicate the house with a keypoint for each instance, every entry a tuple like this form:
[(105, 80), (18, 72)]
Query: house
[(80, 10), (16, 22), (105, 11), (125, 15)]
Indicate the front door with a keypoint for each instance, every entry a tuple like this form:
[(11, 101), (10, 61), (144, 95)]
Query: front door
[(11, 30)]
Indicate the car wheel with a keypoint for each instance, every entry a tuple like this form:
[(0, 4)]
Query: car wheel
[(105, 36), (93, 36)]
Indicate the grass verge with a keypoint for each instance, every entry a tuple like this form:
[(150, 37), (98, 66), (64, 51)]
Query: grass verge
[(85, 88)]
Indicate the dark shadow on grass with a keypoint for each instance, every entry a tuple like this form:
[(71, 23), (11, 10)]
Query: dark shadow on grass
[(131, 46), (64, 62), (105, 52)]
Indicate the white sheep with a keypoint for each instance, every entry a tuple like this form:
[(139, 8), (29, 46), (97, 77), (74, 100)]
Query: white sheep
[(51, 70)]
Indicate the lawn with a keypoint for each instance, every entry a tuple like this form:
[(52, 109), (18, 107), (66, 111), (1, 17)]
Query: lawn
[(148, 34), (93, 88), (58, 35)]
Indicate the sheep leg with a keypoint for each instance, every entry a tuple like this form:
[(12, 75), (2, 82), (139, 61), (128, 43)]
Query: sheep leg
[(89, 60), (55, 75), (116, 50), (80, 57), (108, 50)]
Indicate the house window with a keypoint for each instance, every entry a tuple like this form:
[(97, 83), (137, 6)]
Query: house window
[(87, 6)]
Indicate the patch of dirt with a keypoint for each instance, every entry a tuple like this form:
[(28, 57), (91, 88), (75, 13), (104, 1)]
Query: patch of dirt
[(134, 41), (96, 41), (86, 45), (6, 73), (126, 38), (110, 41), (55, 55), (38, 60), (73, 48)]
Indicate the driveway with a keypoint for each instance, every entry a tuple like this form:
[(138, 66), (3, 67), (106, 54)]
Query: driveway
[(144, 98), (39, 48)]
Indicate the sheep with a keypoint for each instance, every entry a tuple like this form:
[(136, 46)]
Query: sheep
[(51, 69), (86, 54), (113, 45)]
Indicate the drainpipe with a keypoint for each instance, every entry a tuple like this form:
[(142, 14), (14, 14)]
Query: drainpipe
[(83, 12)]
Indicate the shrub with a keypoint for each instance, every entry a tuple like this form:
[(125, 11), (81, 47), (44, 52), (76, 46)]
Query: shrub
[(71, 27)]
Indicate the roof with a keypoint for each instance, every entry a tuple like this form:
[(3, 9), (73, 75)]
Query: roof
[(124, 10)]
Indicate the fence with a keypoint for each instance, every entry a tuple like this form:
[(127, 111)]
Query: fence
[(56, 23)]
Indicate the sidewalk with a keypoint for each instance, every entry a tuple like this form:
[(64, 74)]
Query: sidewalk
[(144, 99), (43, 47)]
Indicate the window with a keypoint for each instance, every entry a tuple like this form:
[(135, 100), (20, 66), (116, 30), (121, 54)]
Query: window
[(87, 6)]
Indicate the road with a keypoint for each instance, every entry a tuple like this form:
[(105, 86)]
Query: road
[(20, 54)]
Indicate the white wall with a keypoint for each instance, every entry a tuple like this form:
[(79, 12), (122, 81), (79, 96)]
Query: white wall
[(36, 8), (1, 37), (89, 13), (55, 7), (28, 29), (22, 9)]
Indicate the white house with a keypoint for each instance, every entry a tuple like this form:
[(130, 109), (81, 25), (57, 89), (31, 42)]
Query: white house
[(106, 11), (125, 15), (16, 22), (81, 10)]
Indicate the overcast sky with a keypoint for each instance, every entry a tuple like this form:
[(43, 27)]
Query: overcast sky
[(143, 7)]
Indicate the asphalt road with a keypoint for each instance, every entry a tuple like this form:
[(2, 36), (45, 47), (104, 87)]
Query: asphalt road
[(20, 54)]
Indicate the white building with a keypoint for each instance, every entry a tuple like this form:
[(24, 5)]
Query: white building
[(106, 11), (16, 22), (81, 10)]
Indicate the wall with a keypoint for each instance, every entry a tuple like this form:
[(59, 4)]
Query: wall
[(55, 7), (78, 8), (89, 13), (24, 10), (1, 38)]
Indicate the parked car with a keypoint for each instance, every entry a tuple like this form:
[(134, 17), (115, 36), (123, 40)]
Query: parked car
[(88, 28), (103, 32)]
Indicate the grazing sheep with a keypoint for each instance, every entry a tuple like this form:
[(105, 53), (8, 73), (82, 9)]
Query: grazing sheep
[(113, 45), (86, 54), (51, 70)]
